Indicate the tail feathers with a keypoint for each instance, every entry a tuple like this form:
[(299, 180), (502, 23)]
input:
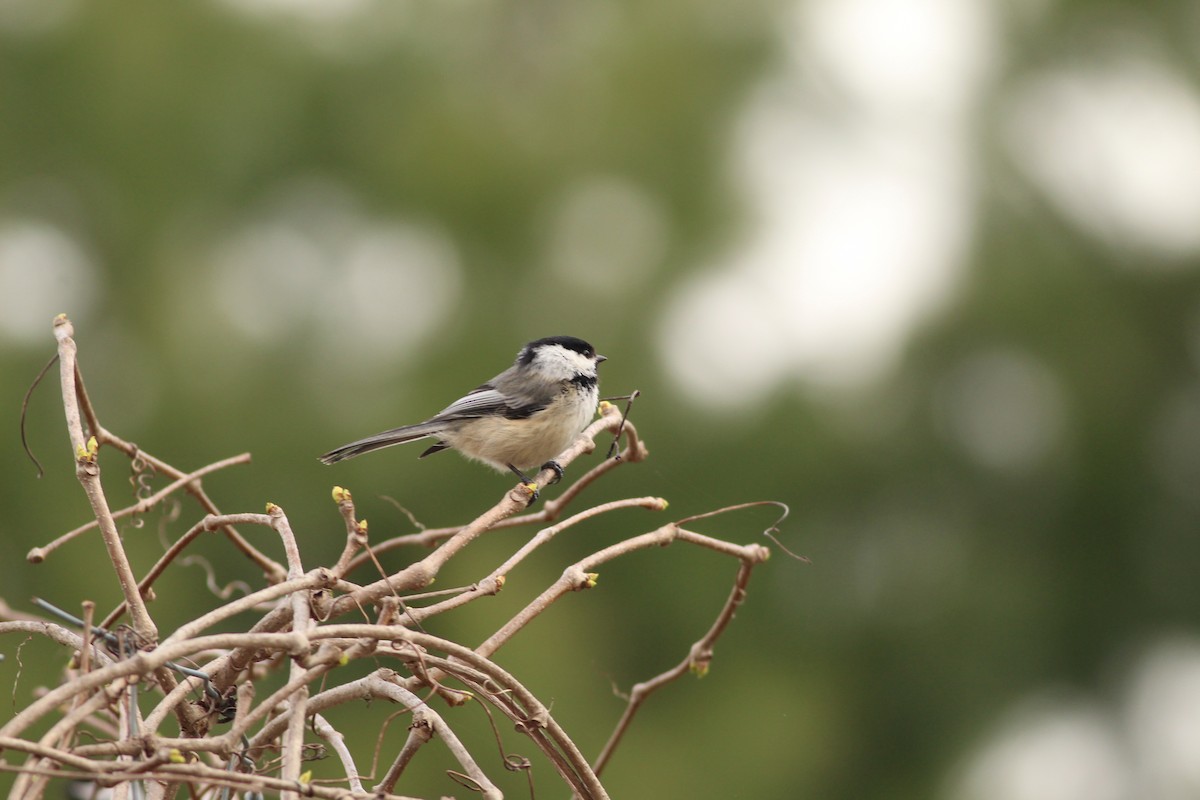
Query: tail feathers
[(409, 433)]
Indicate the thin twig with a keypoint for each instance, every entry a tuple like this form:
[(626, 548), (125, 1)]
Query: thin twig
[(87, 469), (38, 554), (338, 742), (105, 437), (494, 581), (697, 661), (209, 523), (298, 700)]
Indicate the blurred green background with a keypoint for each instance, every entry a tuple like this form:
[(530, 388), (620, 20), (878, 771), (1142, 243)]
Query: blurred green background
[(925, 270)]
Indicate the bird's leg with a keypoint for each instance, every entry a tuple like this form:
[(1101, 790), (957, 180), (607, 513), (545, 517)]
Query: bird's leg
[(558, 471), (524, 478), (528, 483)]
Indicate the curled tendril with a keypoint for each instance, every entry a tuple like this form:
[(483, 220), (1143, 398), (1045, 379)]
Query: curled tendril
[(770, 532), (141, 478)]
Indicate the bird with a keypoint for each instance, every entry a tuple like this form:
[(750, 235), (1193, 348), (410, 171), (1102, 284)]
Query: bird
[(522, 418)]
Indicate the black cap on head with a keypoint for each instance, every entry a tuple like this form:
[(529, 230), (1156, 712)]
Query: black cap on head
[(569, 342)]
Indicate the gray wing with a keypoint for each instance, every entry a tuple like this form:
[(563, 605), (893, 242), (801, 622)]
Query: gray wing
[(503, 395), (482, 402)]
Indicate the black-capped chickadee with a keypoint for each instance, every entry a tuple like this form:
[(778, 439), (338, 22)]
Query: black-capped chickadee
[(520, 419)]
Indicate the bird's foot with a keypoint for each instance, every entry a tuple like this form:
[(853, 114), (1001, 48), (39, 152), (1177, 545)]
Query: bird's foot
[(557, 468)]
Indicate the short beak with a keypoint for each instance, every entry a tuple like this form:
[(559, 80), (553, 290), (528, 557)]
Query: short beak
[(600, 358)]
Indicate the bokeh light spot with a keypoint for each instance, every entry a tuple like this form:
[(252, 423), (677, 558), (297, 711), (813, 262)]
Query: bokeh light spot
[(373, 288), (265, 273), (43, 272), (1116, 147), (1049, 749), (721, 341), (1003, 408), (400, 280), (606, 234), (1164, 719), (35, 17), (309, 10), (860, 211), (900, 55)]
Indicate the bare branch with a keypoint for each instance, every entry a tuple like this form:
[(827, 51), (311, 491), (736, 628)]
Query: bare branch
[(224, 703), (697, 661), (39, 554), (87, 469)]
